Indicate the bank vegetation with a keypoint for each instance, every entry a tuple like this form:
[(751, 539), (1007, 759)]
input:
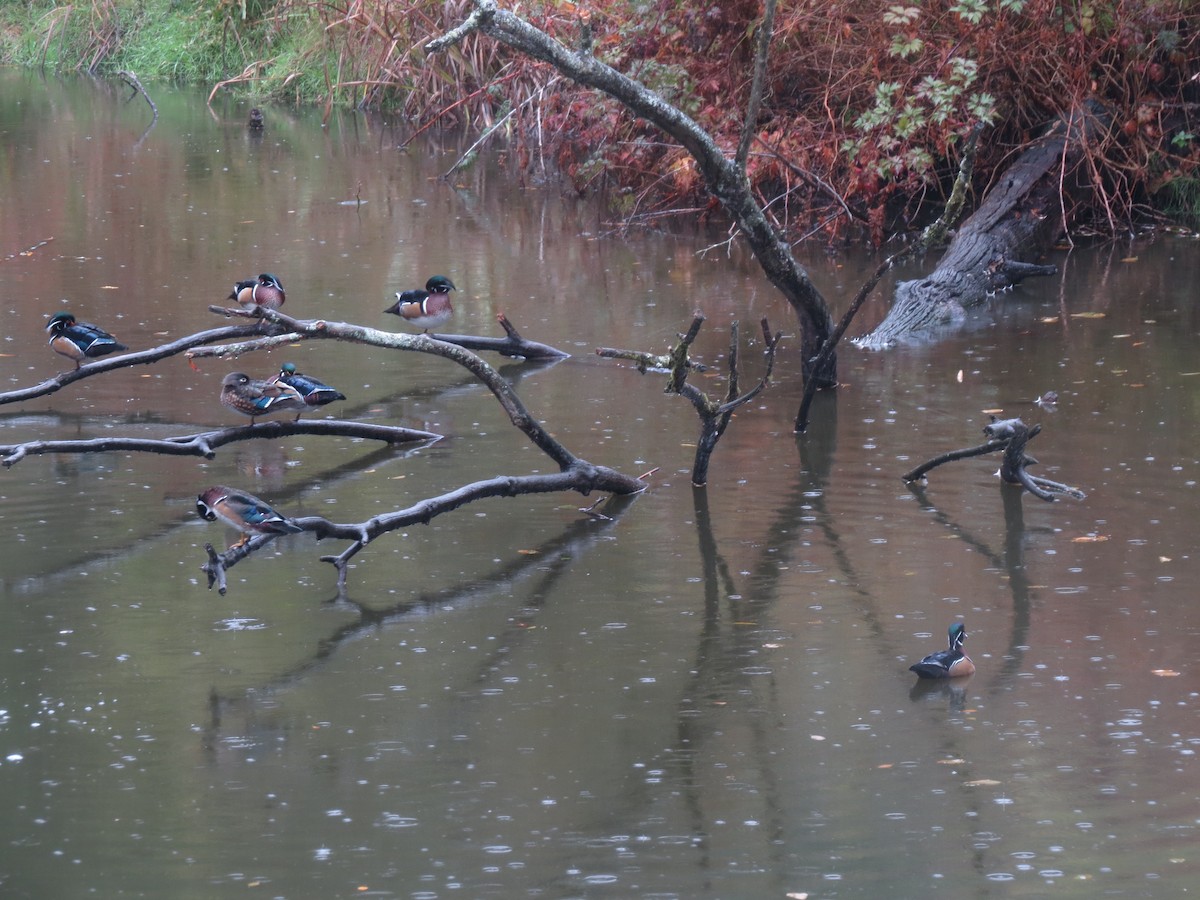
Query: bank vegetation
[(866, 108)]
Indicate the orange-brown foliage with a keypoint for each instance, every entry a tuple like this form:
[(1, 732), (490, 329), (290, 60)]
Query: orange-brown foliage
[(822, 131)]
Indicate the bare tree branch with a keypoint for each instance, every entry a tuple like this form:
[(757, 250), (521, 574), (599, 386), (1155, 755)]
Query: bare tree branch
[(206, 443), (721, 174), (714, 415), (582, 477), (761, 58)]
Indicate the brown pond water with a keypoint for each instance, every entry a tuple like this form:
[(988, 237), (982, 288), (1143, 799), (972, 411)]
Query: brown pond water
[(708, 696)]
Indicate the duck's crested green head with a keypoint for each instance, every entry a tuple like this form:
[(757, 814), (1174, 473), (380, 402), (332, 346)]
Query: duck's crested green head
[(440, 284), (60, 320), (957, 633)]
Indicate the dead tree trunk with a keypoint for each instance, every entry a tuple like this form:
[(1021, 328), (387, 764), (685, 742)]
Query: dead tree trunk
[(1024, 214), (725, 178)]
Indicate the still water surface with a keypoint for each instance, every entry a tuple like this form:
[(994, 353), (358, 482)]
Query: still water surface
[(708, 696)]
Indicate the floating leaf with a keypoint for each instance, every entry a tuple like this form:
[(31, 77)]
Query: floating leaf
[(1128, 259), (1089, 315), (958, 377), (950, 762), (992, 412), (1048, 320), (1090, 539), (1164, 673), (796, 895), (982, 782), (817, 737)]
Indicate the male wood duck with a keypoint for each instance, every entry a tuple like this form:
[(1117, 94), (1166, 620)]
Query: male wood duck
[(266, 291), (314, 392), (254, 398), (428, 308), (948, 663), (79, 340), (242, 511)]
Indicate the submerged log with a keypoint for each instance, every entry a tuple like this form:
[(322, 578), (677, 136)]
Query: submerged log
[(1027, 210)]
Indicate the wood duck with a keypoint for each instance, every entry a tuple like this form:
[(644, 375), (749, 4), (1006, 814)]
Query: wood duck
[(242, 511), (948, 663), (428, 308), (254, 398), (79, 340), (314, 392), (255, 121), (266, 291)]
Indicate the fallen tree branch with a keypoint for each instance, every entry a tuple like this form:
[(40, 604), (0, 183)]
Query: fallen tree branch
[(511, 345), (575, 474), (205, 444), (1011, 436), (298, 330), (132, 80), (581, 477)]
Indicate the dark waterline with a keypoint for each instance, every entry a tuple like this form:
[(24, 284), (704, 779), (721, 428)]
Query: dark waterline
[(708, 696)]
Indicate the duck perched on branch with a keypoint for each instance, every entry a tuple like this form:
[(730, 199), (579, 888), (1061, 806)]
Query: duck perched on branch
[(428, 308), (79, 340), (242, 511), (266, 291), (254, 398), (315, 392)]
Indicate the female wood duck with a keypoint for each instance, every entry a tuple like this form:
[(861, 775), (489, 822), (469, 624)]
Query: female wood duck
[(253, 398), (428, 308), (266, 291), (948, 663), (243, 511), (79, 340), (314, 392)]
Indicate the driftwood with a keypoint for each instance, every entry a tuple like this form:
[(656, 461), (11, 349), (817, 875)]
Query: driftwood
[(1010, 436), (714, 414), (1023, 215)]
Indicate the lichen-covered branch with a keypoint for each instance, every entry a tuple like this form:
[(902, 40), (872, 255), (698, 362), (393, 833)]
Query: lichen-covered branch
[(1010, 436)]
